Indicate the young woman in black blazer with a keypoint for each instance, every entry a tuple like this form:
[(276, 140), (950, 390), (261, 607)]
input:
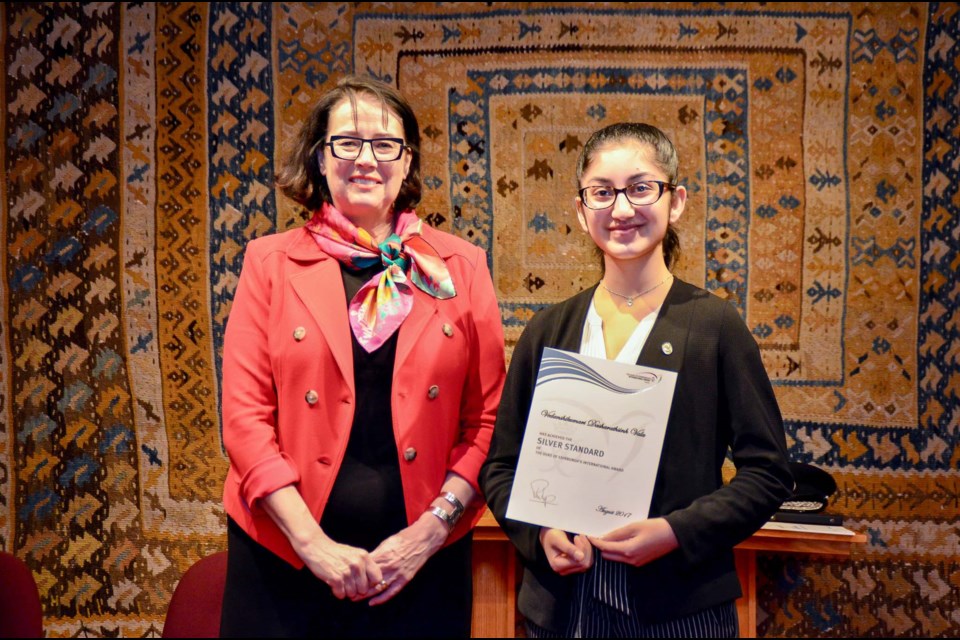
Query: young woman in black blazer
[(672, 574)]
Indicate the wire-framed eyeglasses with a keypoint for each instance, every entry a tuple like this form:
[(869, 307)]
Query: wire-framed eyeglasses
[(645, 192), (350, 148)]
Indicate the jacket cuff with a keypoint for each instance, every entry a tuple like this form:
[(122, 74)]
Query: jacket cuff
[(267, 476)]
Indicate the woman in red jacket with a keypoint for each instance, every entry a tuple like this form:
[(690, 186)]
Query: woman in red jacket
[(363, 364)]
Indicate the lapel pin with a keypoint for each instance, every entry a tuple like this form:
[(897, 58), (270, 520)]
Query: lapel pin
[(667, 348)]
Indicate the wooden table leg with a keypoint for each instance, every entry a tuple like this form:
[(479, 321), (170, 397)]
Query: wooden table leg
[(746, 561), (494, 589)]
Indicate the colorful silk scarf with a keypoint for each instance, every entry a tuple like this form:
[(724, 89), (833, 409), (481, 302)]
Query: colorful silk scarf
[(384, 302)]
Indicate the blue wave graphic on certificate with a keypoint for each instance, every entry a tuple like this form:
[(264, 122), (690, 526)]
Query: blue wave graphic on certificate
[(557, 365)]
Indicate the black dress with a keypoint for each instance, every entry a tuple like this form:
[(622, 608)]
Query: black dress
[(266, 597)]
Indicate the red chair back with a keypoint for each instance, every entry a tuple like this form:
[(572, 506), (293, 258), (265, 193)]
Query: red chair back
[(20, 612), (194, 610)]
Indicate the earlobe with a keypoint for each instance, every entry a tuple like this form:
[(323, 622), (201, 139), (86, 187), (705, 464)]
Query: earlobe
[(677, 204)]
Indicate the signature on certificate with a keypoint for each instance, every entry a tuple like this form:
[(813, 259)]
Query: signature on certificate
[(540, 495)]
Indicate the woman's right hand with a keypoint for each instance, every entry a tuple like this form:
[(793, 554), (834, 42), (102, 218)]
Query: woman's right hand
[(564, 555), (350, 572)]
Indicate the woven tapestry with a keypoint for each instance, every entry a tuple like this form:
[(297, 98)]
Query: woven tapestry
[(818, 143)]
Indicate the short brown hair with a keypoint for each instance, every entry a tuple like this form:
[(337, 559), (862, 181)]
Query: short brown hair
[(299, 174)]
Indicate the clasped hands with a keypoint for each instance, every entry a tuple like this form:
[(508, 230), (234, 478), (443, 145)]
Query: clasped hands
[(378, 575), (635, 544)]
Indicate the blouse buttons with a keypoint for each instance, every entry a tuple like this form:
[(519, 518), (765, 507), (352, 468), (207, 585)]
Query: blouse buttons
[(299, 333), (433, 392), (447, 330), (410, 454), (311, 397)]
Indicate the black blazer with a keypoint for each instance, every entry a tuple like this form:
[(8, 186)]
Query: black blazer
[(723, 398)]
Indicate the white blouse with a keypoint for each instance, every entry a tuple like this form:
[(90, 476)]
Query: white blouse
[(592, 342)]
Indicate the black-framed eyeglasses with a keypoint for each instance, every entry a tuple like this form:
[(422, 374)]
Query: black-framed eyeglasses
[(350, 148), (645, 192)]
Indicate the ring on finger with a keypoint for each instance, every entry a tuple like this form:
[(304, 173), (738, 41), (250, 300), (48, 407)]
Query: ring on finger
[(383, 584)]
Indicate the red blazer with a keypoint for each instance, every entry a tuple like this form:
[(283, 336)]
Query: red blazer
[(288, 343)]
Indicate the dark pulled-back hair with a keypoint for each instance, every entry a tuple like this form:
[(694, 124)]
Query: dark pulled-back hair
[(299, 174), (664, 156)]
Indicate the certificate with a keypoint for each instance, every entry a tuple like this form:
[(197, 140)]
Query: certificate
[(590, 452)]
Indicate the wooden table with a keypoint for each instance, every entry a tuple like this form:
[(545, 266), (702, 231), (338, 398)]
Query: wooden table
[(495, 573)]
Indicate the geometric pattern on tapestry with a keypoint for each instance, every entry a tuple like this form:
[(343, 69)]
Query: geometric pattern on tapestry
[(818, 144), (769, 224)]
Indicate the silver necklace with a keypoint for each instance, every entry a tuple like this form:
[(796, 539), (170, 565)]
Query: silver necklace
[(630, 299)]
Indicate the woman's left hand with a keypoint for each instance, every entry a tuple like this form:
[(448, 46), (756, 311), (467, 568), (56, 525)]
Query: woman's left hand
[(402, 555), (638, 542)]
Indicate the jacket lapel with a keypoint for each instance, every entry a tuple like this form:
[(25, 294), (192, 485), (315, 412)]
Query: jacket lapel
[(668, 338), (424, 308), (569, 331), (320, 287)]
